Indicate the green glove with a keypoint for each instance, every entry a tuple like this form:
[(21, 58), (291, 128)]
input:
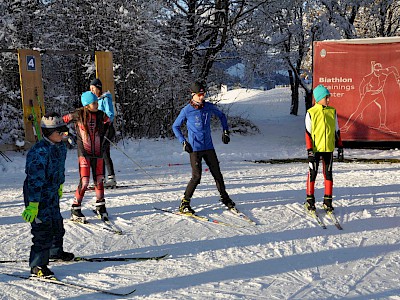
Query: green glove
[(31, 212), (60, 190)]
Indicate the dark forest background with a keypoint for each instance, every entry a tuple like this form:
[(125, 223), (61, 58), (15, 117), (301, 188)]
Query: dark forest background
[(159, 47)]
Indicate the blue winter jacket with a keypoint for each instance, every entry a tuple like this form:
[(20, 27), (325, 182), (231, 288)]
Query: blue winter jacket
[(45, 172), (198, 122), (106, 105)]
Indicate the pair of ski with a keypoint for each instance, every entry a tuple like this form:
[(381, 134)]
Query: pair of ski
[(54, 280), (331, 216), (94, 259), (106, 224), (233, 211)]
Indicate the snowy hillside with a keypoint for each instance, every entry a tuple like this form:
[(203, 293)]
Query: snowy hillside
[(286, 256)]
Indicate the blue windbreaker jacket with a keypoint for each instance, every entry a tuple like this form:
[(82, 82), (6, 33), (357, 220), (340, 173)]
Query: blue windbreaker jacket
[(198, 122), (106, 105), (45, 172)]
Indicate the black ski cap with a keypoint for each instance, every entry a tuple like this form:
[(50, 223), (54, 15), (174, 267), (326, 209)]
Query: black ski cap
[(198, 87), (97, 83)]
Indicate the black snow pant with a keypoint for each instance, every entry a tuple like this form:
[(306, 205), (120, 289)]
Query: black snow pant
[(210, 157), (106, 154), (47, 241), (327, 161)]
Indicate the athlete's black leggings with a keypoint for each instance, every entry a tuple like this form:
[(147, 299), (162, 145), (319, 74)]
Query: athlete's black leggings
[(210, 157), (108, 163), (327, 160)]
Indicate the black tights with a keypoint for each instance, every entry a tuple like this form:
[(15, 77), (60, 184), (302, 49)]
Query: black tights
[(210, 157)]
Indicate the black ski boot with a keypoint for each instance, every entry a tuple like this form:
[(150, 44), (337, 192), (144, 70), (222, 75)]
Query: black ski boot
[(101, 209), (42, 272), (310, 203), (328, 203), (185, 207), (228, 203), (76, 214)]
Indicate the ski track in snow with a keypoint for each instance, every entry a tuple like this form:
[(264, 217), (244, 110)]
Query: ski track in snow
[(286, 256)]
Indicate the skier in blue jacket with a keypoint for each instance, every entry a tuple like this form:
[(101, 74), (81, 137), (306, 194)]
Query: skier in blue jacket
[(197, 115), (45, 175)]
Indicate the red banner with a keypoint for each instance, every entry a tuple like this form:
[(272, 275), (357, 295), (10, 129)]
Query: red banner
[(364, 81)]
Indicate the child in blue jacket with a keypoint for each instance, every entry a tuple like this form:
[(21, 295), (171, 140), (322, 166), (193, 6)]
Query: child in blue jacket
[(197, 115), (45, 175)]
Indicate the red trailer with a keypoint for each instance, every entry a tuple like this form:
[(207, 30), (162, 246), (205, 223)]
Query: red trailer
[(363, 76)]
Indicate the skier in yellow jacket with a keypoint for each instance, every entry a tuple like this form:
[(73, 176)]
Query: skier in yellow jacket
[(322, 135)]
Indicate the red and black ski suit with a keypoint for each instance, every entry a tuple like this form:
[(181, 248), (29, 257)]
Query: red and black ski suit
[(90, 127)]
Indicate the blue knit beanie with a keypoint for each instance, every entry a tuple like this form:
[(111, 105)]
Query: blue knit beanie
[(320, 92), (88, 98)]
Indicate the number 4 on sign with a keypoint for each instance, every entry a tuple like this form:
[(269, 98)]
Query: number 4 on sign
[(31, 63)]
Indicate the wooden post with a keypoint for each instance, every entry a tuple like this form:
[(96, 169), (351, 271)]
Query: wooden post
[(105, 72), (30, 69)]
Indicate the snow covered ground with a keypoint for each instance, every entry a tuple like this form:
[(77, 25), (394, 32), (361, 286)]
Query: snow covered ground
[(286, 256)]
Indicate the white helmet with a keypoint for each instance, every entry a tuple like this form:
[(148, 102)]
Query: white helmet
[(52, 122)]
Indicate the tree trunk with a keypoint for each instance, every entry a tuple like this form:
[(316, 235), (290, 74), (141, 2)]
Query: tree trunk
[(190, 36), (218, 38), (308, 99), (294, 86)]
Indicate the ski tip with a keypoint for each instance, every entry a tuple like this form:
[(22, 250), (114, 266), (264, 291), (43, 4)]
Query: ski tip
[(162, 256), (127, 294)]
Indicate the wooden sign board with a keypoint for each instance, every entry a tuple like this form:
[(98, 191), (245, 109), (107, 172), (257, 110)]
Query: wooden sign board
[(30, 69), (105, 71)]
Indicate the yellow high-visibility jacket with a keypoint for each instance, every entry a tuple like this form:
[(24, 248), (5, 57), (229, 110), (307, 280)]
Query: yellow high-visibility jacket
[(322, 128)]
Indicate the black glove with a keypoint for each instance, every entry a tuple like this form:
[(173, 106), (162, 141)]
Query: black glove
[(311, 159), (187, 147), (225, 137), (340, 155), (310, 156), (71, 139)]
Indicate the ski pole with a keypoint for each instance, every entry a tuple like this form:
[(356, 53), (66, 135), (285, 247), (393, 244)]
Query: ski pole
[(35, 121), (171, 165), (6, 158), (140, 167), (38, 101)]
